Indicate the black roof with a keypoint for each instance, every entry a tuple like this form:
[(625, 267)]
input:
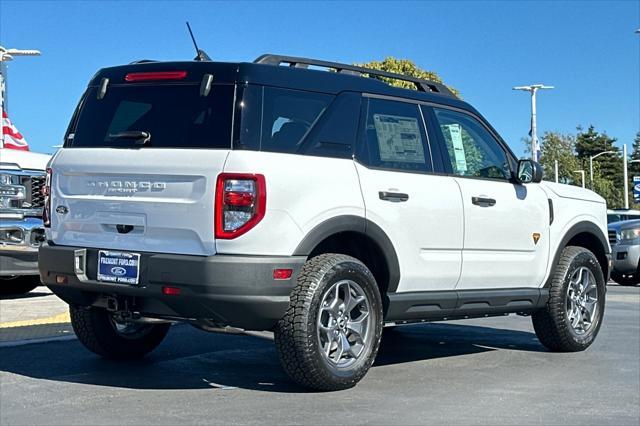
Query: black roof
[(270, 73), (294, 77)]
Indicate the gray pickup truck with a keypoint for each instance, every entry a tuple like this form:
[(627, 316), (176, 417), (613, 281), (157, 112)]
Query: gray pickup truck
[(624, 238), (22, 179)]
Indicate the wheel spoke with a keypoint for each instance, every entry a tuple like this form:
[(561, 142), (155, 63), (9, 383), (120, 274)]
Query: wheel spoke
[(579, 319), (346, 301), (357, 326), (589, 287), (584, 278), (329, 344), (339, 349), (589, 309), (355, 301), (331, 303), (573, 316), (574, 283)]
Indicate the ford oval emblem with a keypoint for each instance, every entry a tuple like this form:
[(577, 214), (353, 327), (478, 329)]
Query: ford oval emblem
[(62, 210), (118, 271)]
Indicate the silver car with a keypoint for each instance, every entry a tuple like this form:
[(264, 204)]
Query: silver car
[(624, 238)]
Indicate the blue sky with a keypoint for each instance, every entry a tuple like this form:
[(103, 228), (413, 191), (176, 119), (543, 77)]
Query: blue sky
[(587, 49)]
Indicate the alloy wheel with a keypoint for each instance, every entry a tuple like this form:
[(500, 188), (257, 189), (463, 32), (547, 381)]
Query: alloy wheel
[(344, 324), (582, 300)]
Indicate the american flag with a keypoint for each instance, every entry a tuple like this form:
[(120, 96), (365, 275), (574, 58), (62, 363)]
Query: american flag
[(11, 136)]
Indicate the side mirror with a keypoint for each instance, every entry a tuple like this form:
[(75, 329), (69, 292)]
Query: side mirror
[(529, 172)]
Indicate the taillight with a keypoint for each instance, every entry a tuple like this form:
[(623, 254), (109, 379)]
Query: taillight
[(241, 201), (154, 76), (46, 191)]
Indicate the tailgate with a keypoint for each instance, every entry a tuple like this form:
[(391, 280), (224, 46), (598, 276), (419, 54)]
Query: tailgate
[(157, 200)]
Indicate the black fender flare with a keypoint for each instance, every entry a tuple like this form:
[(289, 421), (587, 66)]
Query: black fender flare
[(579, 228), (351, 223)]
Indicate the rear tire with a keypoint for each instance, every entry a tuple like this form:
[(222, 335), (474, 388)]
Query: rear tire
[(98, 331), (626, 280), (331, 332), (572, 317), (10, 286)]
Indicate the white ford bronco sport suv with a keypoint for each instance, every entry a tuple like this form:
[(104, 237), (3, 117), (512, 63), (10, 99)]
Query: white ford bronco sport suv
[(320, 205)]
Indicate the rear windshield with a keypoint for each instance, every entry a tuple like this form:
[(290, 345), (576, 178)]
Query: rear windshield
[(154, 116)]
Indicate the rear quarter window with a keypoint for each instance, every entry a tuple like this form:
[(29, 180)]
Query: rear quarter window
[(279, 120)]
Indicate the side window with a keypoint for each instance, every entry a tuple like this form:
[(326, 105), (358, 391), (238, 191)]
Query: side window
[(393, 136), (287, 117), (335, 133), (472, 150)]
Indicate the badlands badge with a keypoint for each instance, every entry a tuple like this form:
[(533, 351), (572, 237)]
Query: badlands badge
[(536, 237)]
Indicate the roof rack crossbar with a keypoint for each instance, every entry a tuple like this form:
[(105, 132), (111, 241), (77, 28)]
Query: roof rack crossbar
[(297, 62)]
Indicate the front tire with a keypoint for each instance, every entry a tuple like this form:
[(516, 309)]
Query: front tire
[(10, 286), (572, 317), (99, 332), (329, 336)]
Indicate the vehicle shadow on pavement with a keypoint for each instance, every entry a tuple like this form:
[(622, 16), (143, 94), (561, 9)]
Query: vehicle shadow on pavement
[(192, 359), (30, 295), (439, 340)]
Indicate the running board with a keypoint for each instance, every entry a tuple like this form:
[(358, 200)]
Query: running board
[(462, 304)]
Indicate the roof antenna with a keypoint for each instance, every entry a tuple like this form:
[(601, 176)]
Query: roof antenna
[(200, 54)]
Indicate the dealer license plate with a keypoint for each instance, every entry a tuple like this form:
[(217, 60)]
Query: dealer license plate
[(118, 267)]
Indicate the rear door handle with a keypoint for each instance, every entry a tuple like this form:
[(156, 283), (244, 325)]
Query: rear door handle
[(483, 201), (394, 197)]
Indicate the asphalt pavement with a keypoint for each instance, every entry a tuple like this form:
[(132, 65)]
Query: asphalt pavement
[(484, 371)]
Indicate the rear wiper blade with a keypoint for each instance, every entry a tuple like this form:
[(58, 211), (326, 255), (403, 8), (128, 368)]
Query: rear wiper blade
[(140, 137)]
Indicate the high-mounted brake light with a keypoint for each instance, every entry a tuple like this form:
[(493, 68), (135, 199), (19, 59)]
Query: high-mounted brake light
[(46, 191), (241, 201), (155, 76)]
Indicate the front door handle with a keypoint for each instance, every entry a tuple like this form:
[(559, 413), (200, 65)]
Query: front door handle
[(394, 197), (483, 201)]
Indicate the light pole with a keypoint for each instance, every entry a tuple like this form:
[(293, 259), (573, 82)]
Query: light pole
[(533, 89), (581, 174), (626, 176), (591, 163), (7, 55)]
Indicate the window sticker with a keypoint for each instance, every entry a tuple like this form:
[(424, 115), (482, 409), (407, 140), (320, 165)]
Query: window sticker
[(399, 138), (458, 148)]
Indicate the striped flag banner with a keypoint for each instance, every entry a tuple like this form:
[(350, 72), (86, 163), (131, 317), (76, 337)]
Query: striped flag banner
[(11, 137)]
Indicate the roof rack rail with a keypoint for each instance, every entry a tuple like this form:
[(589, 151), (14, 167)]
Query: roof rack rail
[(142, 61), (296, 62)]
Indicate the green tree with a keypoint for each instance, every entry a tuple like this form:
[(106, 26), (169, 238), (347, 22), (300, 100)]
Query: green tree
[(559, 147), (591, 143), (607, 189), (406, 67), (634, 168)]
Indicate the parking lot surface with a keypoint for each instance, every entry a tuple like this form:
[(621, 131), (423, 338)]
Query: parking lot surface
[(485, 371)]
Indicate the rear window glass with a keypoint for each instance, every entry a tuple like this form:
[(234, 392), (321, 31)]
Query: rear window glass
[(170, 115)]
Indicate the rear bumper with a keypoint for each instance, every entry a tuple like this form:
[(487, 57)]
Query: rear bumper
[(237, 291), (625, 258), (18, 263), (19, 243)]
